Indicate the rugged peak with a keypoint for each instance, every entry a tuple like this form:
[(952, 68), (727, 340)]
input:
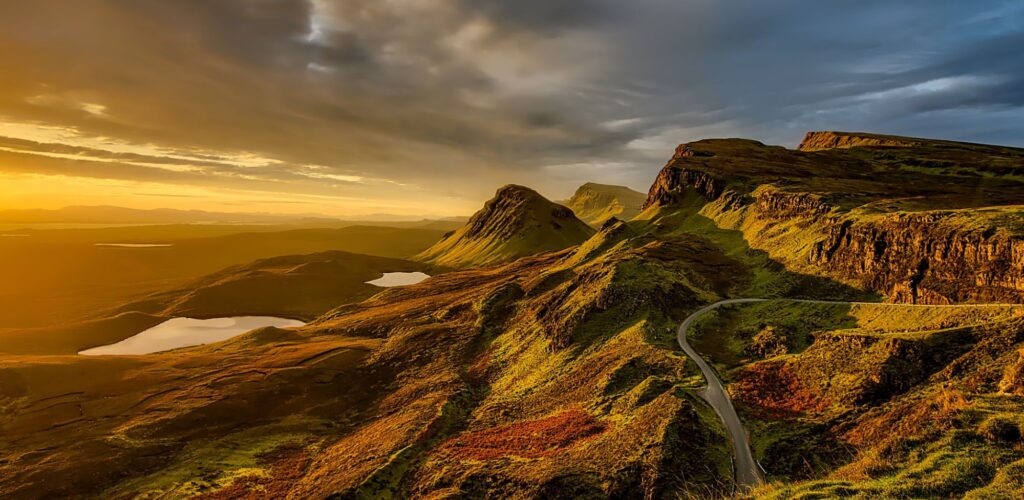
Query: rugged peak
[(516, 190), (688, 151), (826, 139), (517, 222), (510, 203), (594, 203)]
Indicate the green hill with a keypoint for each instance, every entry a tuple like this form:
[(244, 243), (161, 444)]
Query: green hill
[(515, 223), (595, 203)]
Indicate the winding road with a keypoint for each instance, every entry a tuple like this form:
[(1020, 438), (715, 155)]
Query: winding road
[(748, 474), (747, 471)]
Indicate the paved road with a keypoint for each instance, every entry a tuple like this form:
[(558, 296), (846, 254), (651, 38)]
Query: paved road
[(748, 473)]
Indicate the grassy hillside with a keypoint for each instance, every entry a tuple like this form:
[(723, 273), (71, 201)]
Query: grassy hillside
[(595, 203), (876, 400), (60, 275), (913, 219), (544, 376), (557, 373), (515, 223)]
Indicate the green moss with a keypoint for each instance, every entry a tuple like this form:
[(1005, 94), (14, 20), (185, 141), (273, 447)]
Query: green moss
[(208, 465)]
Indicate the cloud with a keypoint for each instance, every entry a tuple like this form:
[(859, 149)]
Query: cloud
[(415, 99)]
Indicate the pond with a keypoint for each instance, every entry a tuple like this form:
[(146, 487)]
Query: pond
[(184, 332), (399, 279), (134, 245)]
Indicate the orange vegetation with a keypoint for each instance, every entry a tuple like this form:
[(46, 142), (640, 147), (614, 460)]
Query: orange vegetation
[(911, 419), (287, 464), (530, 439), (773, 388)]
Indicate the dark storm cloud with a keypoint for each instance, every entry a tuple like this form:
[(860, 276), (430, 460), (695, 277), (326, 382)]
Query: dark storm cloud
[(467, 94)]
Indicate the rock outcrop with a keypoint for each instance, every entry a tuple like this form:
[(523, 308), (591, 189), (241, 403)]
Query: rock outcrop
[(865, 219), (931, 257), (817, 141)]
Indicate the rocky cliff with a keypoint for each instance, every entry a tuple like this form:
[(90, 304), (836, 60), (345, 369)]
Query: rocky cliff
[(930, 257), (817, 141), (871, 218)]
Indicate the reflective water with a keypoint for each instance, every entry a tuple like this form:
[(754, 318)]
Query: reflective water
[(133, 245), (184, 332), (399, 279)]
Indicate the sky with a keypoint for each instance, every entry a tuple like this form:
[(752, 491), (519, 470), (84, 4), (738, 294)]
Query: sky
[(425, 107)]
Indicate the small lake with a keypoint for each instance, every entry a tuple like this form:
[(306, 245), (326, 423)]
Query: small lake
[(134, 245), (185, 332), (399, 279)]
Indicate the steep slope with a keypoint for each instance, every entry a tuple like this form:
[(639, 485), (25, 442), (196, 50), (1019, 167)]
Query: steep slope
[(876, 400), (914, 219), (515, 223), (595, 203), (546, 377)]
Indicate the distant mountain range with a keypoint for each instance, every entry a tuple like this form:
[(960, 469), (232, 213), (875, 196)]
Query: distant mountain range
[(121, 215)]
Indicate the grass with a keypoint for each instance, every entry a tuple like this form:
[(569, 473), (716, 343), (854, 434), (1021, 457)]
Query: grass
[(933, 437), (596, 203), (211, 465), (555, 373), (516, 223)]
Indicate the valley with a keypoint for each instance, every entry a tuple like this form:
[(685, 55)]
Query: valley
[(59, 275), (844, 315)]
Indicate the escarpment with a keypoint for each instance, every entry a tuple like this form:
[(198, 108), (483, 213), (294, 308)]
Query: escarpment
[(860, 211), (817, 141), (932, 257), (673, 180)]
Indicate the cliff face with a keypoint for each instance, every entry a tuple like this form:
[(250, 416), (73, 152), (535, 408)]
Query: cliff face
[(934, 258), (817, 141), (863, 222), (673, 180)]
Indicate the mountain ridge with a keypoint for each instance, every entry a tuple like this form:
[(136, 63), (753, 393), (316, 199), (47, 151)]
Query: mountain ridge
[(881, 217), (515, 223), (595, 203)]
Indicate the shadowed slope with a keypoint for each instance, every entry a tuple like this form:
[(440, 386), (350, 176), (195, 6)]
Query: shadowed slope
[(297, 286), (515, 223), (595, 203)]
